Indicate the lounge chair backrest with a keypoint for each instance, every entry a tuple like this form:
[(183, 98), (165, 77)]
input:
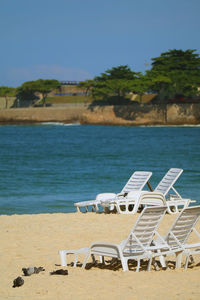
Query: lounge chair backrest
[(182, 227), (168, 181), (151, 199), (137, 181), (144, 229)]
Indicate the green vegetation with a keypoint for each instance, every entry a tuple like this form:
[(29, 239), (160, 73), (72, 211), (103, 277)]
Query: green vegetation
[(6, 92), (66, 99), (175, 74), (28, 90), (115, 85)]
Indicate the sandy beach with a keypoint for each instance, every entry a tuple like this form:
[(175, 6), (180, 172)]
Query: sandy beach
[(34, 240)]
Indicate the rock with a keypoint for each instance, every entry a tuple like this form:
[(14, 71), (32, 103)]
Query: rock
[(18, 282), (31, 270)]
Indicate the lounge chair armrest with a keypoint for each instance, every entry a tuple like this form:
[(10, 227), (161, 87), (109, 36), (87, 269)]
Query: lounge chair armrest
[(107, 202), (191, 246), (104, 243), (105, 249)]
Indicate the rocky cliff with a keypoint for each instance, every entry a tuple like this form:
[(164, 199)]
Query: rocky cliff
[(137, 114)]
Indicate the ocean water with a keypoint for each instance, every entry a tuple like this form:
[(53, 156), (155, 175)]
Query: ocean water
[(45, 168)]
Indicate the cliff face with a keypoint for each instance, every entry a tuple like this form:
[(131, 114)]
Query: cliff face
[(137, 114)]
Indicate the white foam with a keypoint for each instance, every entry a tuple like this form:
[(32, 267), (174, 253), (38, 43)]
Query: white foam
[(59, 124), (184, 125)]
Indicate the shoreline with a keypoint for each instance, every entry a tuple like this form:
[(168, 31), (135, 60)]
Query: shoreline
[(79, 124), (34, 240)]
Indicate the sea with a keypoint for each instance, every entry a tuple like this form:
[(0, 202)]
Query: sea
[(47, 167)]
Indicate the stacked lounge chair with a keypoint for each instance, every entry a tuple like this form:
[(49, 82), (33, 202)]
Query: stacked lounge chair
[(175, 241), (140, 243), (136, 246), (136, 183), (134, 200)]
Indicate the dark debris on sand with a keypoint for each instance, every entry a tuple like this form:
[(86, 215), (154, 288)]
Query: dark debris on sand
[(18, 282), (59, 272), (32, 270)]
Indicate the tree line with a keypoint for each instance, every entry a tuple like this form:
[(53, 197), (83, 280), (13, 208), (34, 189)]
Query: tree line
[(174, 74), (29, 90)]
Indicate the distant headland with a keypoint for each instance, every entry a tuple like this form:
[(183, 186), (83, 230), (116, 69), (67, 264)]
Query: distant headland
[(129, 115)]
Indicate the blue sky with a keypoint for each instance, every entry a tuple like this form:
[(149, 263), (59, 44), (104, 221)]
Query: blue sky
[(79, 39)]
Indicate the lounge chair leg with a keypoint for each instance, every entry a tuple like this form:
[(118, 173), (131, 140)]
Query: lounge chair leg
[(178, 259), (93, 259), (149, 265), (177, 210), (101, 259), (63, 259), (163, 261), (75, 260), (186, 262), (86, 259), (188, 257), (124, 264), (155, 264), (138, 265)]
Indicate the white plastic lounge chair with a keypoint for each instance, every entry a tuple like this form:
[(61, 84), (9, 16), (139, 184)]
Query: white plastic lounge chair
[(137, 245), (76, 252), (126, 205), (166, 185), (63, 255), (130, 206), (94, 203), (175, 241), (136, 183), (168, 181)]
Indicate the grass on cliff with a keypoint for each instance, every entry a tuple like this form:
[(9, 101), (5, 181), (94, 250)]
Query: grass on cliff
[(67, 99), (73, 99)]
